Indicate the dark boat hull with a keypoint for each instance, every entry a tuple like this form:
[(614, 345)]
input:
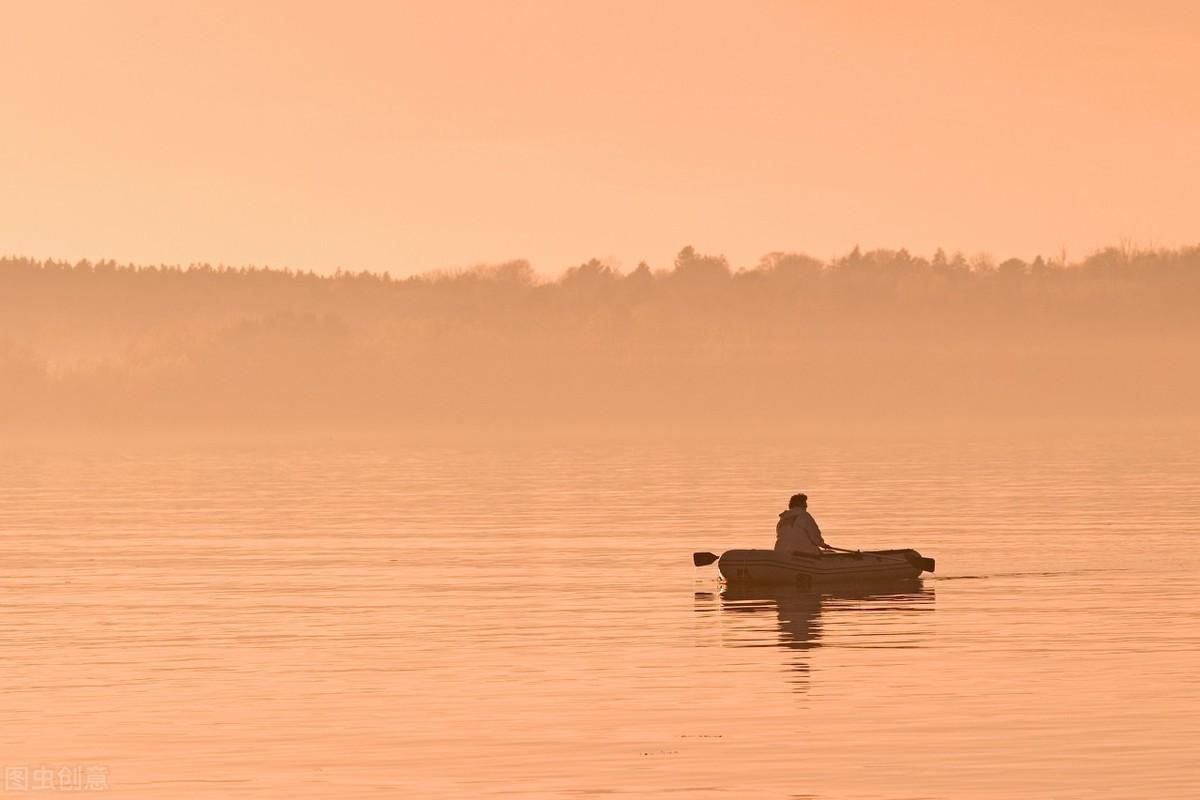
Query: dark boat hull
[(773, 567)]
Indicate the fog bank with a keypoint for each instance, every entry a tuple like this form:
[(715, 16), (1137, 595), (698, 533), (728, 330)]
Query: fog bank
[(870, 337)]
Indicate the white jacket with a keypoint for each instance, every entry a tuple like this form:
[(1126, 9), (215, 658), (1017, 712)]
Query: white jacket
[(797, 531)]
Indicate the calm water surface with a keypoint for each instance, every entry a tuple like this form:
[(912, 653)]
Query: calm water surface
[(474, 620)]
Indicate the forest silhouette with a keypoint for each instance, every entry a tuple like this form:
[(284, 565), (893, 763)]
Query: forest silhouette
[(879, 335)]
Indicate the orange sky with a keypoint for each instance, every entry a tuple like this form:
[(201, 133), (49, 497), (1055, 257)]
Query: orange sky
[(412, 136)]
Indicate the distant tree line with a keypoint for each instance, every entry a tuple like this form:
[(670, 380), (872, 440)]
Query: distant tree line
[(867, 334)]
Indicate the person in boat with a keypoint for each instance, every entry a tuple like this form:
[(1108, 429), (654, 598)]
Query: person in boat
[(797, 531)]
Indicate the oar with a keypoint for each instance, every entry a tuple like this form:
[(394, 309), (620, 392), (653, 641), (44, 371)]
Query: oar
[(704, 559), (926, 564), (859, 552)]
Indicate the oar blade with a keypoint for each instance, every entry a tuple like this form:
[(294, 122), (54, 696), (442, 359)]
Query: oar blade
[(704, 559)]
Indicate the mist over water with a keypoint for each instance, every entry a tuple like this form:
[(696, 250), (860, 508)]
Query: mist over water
[(881, 336)]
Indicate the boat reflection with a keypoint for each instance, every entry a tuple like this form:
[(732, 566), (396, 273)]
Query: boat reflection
[(875, 616)]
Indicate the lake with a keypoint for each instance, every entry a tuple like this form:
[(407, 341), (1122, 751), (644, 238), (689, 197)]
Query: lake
[(352, 618)]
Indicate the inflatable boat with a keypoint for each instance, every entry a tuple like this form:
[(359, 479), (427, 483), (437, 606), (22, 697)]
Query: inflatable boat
[(804, 569)]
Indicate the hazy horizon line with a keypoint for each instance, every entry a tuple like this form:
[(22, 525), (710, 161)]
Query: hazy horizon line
[(976, 259)]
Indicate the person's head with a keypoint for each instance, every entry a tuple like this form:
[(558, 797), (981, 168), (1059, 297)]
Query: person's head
[(798, 501)]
